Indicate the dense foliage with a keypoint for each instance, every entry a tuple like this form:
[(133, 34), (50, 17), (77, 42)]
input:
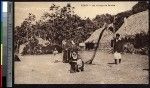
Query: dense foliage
[(137, 43)]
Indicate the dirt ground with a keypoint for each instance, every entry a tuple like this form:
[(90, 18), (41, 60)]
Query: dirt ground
[(42, 69)]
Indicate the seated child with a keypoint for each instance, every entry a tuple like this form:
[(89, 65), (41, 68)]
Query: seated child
[(80, 65)]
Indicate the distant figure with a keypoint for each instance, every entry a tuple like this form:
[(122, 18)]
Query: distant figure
[(56, 58), (55, 52), (117, 43)]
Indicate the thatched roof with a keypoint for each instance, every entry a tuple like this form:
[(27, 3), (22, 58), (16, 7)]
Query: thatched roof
[(107, 35), (94, 37), (134, 24)]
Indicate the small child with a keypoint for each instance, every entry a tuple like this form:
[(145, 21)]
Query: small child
[(55, 52), (80, 65)]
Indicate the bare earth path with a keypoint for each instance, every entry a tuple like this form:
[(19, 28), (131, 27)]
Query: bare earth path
[(41, 69)]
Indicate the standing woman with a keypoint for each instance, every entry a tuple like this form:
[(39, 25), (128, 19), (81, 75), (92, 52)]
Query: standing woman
[(65, 46), (64, 50)]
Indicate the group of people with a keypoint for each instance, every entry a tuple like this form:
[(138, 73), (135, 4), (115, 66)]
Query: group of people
[(71, 55)]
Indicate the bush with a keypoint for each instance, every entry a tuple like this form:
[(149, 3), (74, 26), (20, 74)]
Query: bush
[(40, 49), (138, 44)]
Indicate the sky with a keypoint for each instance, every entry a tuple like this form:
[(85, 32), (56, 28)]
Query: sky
[(83, 9)]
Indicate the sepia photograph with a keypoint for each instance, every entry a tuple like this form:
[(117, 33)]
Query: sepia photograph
[(81, 42)]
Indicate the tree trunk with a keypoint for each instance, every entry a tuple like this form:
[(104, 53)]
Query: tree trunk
[(95, 51)]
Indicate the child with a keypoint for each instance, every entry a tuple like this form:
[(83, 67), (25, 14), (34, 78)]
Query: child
[(80, 65), (55, 52)]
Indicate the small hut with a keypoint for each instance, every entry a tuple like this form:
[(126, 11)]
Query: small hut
[(105, 40)]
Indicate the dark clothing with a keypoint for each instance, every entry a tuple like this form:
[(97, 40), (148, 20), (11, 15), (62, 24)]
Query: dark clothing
[(66, 53), (117, 44), (66, 56), (73, 62), (73, 67), (17, 58)]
